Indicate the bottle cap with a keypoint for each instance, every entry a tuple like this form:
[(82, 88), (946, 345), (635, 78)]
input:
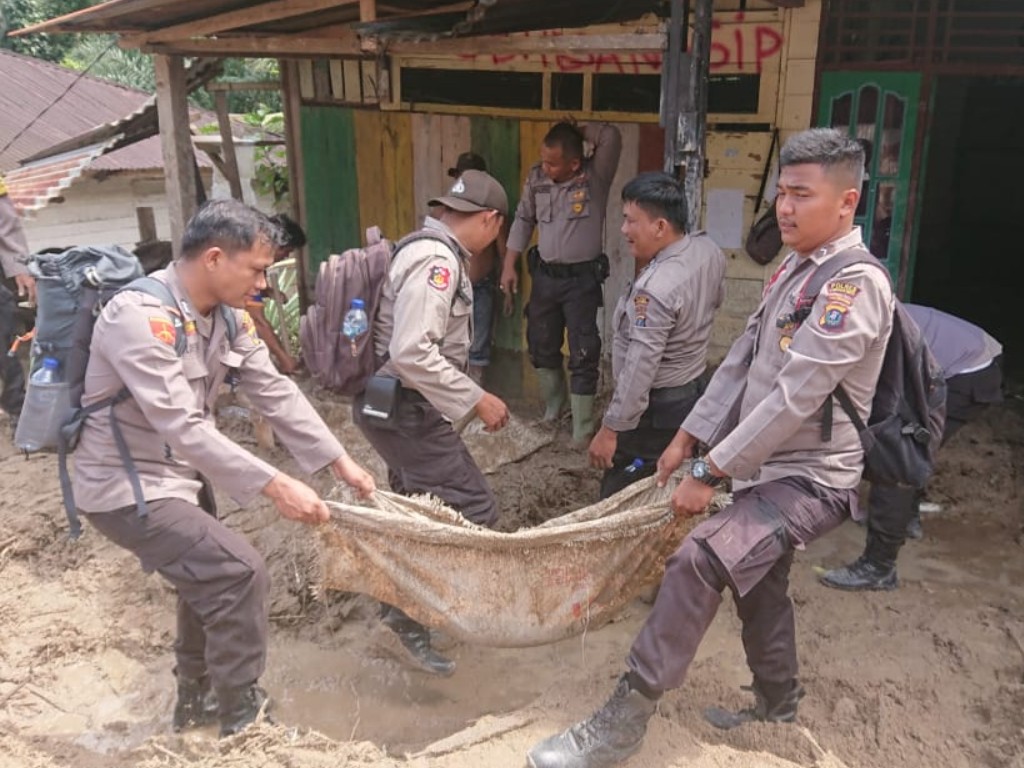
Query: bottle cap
[(357, 304), (51, 362)]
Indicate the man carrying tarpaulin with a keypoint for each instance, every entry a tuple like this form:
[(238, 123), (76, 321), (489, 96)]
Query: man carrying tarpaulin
[(762, 414), (422, 338)]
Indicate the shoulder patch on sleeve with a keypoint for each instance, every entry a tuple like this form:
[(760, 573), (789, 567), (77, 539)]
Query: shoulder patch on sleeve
[(249, 327), (439, 278), (162, 329)]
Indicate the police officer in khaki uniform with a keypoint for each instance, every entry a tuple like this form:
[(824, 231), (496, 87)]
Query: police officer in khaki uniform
[(176, 450), (762, 413), (422, 338), (662, 328), (566, 197), (13, 249)]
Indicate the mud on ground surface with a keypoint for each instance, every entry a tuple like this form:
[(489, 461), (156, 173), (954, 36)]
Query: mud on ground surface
[(929, 675)]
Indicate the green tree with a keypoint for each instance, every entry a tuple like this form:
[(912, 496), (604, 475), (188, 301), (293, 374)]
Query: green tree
[(16, 14)]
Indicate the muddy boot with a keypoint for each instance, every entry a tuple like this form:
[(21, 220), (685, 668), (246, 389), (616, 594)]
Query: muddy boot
[(774, 703), (240, 707), (414, 640), (552, 389), (863, 574), (582, 419), (606, 738), (196, 704)]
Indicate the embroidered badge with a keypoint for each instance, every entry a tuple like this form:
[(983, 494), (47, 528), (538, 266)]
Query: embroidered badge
[(439, 278), (162, 329), (190, 328), (579, 194), (833, 317), (784, 342), (249, 327), (577, 208), (843, 289), (458, 187)]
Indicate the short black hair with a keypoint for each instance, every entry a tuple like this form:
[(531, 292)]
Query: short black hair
[(659, 195), (229, 225), (568, 138), (830, 148), (294, 236)]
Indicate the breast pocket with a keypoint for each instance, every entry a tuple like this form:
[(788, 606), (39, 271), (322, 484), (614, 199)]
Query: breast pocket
[(543, 203)]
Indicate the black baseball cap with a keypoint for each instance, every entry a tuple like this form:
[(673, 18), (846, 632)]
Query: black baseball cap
[(468, 161), (474, 191)]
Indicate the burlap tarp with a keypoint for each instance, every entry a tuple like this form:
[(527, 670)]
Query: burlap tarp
[(530, 587)]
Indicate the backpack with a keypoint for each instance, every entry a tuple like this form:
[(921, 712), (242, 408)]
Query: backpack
[(357, 273), (908, 412), (72, 289)]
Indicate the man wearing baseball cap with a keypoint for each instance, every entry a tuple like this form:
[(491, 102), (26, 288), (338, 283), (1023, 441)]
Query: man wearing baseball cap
[(423, 333)]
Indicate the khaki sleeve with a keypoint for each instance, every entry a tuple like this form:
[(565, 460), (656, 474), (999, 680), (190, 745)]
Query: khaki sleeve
[(152, 371), (423, 305), (607, 141), (834, 338), (650, 324), (296, 423), (13, 246), (525, 219)]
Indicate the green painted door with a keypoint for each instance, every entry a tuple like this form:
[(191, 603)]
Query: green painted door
[(880, 108)]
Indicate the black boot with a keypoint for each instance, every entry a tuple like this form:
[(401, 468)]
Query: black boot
[(862, 574), (606, 738), (773, 703), (240, 707), (196, 705), (414, 640)]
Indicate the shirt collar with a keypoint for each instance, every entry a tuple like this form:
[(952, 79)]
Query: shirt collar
[(439, 226), (851, 239)]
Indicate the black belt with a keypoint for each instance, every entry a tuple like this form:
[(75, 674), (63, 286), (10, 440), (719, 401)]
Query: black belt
[(598, 267)]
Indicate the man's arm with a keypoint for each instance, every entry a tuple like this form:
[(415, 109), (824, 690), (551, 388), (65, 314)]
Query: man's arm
[(523, 224), (14, 249), (607, 141)]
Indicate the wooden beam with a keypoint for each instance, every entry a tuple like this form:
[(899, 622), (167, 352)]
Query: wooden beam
[(227, 145), (245, 17), (243, 85), (147, 223), (271, 46), (501, 44), (176, 143), (367, 10), (291, 101)]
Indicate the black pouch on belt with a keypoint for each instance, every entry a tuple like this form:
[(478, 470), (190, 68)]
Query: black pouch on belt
[(381, 399)]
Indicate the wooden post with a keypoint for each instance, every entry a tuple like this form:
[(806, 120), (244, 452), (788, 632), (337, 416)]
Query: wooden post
[(176, 142), (227, 145), (291, 102), (685, 86), (147, 224), (367, 10)]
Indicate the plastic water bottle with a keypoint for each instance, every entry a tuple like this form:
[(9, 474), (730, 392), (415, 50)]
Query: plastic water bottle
[(635, 466), (48, 373), (47, 407), (356, 324)]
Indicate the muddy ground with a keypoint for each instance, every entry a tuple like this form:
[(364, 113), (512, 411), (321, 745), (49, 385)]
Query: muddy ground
[(928, 676)]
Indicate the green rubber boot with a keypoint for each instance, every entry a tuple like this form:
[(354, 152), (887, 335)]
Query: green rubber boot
[(552, 389), (582, 419)]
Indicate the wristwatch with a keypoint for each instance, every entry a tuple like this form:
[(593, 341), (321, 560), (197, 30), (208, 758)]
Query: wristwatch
[(700, 470)]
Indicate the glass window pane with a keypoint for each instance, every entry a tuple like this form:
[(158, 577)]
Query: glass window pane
[(867, 112), (892, 135), (881, 228)]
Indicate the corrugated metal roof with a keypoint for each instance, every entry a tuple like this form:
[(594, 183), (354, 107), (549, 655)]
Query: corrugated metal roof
[(96, 127), (396, 19)]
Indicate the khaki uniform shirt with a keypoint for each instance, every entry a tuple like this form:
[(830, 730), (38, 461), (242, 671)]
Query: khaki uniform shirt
[(662, 325), (13, 246), (425, 323), (570, 215), (765, 420), (167, 422)]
